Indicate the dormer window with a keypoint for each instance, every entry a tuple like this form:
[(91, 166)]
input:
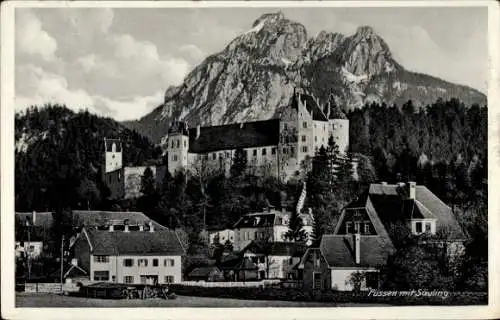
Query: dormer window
[(348, 227), (423, 226)]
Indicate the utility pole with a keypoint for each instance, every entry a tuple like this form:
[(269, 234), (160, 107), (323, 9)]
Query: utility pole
[(28, 255), (62, 259)]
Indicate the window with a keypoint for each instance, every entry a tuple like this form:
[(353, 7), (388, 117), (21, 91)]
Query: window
[(255, 236), (290, 261), (315, 126), (178, 143), (317, 260), (324, 128), (428, 227), (348, 227), (142, 262), (315, 139), (372, 280), (357, 226), (155, 262), (128, 279), (173, 145), (214, 156), (169, 279), (273, 151), (101, 275), (184, 143), (255, 153), (292, 150), (264, 151), (418, 227), (285, 126), (367, 227), (304, 149), (101, 259), (128, 262), (304, 125), (174, 157), (285, 151), (168, 262), (304, 139)]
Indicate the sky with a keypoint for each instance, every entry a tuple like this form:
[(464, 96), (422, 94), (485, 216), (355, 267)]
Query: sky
[(118, 62)]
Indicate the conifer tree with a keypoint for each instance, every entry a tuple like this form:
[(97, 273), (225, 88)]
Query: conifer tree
[(296, 230)]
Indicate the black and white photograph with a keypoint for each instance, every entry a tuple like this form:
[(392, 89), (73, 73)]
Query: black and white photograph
[(320, 156)]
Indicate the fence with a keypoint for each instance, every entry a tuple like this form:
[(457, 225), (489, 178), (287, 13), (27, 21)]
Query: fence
[(239, 284), (42, 287)]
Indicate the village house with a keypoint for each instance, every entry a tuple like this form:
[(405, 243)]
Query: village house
[(275, 260), (32, 233), (220, 236), (276, 147), (368, 230), (146, 256), (267, 226)]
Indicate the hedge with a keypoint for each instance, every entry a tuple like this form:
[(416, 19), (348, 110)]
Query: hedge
[(454, 298)]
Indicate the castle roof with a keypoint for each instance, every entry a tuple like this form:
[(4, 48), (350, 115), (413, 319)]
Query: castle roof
[(311, 106), (234, 136)]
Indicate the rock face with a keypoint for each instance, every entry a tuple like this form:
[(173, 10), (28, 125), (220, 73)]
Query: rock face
[(254, 76)]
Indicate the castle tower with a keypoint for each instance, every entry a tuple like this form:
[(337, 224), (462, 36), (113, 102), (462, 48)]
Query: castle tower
[(338, 125), (113, 155), (178, 146)]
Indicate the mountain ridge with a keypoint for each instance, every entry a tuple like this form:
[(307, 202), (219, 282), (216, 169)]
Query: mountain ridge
[(254, 75)]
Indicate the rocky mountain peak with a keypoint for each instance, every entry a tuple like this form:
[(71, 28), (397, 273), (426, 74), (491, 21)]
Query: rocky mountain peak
[(366, 54), (269, 18), (365, 31)]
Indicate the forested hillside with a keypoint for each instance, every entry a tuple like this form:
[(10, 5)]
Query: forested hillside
[(59, 155)]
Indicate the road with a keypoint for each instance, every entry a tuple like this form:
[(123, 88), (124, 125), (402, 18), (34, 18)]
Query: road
[(40, 300)]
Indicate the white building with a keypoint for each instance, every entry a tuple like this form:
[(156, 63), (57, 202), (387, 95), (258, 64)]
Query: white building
[(278, 146), (145, 256), (270, 226)]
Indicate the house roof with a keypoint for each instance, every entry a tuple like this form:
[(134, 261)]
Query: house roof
[(262, 219), (160, 242), (338, 250), (234, 136), (291, 249), (391, 205), (203, 271), (98, 218)]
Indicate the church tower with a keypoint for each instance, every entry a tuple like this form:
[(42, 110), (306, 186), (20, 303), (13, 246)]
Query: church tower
[(113, 155), (178, 146)]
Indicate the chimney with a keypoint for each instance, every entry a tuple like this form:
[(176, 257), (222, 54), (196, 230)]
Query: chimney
[(111, 227), (74, 262), (357, 249), (34, 218), (151, 227), (412, 189), (125, 223), (198, 131), (384, 183)]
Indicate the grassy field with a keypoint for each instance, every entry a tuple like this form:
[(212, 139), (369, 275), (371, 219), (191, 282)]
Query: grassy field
[(40, 300)]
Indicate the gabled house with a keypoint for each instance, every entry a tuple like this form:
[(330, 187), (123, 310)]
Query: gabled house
[(140, 256), (369, 230), (267, 226), (274, 260)]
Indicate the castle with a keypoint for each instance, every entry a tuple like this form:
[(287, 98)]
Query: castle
[(278, 146), (124, 182)]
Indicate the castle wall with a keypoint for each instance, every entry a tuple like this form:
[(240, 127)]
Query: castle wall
[(320, 135), (305, 135)]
